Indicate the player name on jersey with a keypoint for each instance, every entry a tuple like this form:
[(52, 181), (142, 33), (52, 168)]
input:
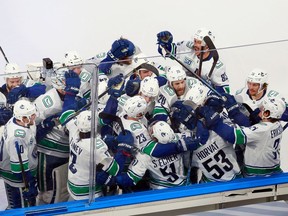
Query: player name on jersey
[(276, 132), (165, 160), (76, 148), (207, 151)]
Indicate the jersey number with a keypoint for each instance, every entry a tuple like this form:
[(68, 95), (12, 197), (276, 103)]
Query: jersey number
[(220, 156), (71, 165), (165, 172), (275, 146)]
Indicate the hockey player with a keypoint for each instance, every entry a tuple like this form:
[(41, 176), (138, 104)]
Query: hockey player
[(79, 162), (218, 76), (164, 172), (19, 156), (13, 89), (53, 140), (262, 140), (176, 88), (255, 92)]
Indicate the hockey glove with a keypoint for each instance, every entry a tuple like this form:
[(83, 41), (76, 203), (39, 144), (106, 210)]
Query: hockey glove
[(202, 133), (35, 91), (45, 127), (73, 83), (110, 141), (231, 105), (188, 144), (120, 49), (103, 178), (5, 115), (165, 45), (31, 192), (184, 114), (215, 102), (254, 116), (125, 142), (132, 87), (16, 93), (117, 92), (113, 81), (210, 116)]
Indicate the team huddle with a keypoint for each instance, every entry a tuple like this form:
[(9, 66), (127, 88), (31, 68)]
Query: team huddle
[(157, 126)]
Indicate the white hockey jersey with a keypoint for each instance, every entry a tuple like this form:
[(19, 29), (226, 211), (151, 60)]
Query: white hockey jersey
[(79, 163), (262, 153), (56, 142), (9, 161), (164, 172), (218, 77), (216, 159), (243, 97)]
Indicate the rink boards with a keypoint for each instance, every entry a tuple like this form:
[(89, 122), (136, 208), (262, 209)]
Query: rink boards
[(175, 201)]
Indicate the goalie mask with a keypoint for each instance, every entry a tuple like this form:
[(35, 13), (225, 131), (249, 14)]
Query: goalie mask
[(162, 132)]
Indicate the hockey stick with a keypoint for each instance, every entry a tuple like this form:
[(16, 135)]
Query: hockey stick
[(215, 55), (100, 96), (7, 62), (2, 51), (173, 57), (26, 186)]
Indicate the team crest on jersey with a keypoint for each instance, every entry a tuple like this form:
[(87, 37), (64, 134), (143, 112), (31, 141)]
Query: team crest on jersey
[(85, 76), (135, 126), (19, 133), (188, 61), (47, 101)]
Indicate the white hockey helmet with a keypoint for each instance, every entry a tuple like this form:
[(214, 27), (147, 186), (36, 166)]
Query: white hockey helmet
[(149, 87), (257, 75), (103, 85), (23, 108), (58, 79), (83, 121), (175, 73), (203, 32), (275, 105), (72, 58), (135, 106), (12, 71), (197, 93), (162, 131)]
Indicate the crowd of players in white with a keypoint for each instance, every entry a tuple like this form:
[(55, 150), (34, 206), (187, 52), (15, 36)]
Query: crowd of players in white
[(159, 127)]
